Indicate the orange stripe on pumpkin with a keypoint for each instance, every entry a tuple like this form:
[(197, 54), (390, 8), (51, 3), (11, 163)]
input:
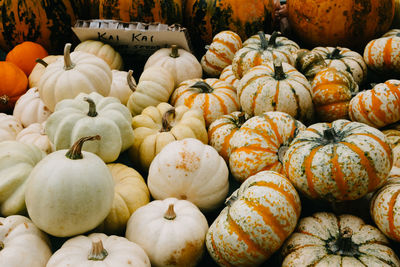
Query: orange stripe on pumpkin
[(221, 103), (391, 204), (376, 107), (267, 138), (370, 47), (276, 96), (387, 53), (250, 149), (218, 254), (309, 174), (226, 143), (338, 174), (212, 130), (385, 146)]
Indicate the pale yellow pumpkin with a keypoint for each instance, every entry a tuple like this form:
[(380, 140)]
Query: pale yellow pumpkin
[(39, 69), (9, 127), (123, 85)]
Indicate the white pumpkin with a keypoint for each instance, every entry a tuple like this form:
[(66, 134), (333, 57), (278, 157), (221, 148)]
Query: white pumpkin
[(188, 169), (171, 231), (22, 243), (99, 250), (78, 72), (35, 134), (9, 127), (69, 192), (29, 108), (39, 69), (123, 85)]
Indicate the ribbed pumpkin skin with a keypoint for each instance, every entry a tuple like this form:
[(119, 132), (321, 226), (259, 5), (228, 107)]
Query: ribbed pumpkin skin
[(256, 146), (385, 207), (45, 22), (344, 59), (324, 239), (9, 127), (220, 53), (262, 89), (383, 54), (260, 215), (228, 76), (220, 101), (377, 107), (345, 23), (332, 91), (392, 32), (344, 165), (222, 130), (205, 18)]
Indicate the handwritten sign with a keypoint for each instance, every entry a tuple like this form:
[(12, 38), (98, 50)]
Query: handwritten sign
[(133, 37)]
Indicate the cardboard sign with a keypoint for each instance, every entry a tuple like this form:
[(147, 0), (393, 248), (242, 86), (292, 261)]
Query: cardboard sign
[(133, 37)]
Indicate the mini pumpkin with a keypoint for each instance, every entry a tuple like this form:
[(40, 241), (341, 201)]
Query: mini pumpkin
[(35, 134), (158, 126), (213, 96), (309, 63), (383, 55), (393, 32), (220, 52), (79, 72), (171, 231), (123, 85), (228, 76), (38, 70), (394, 140), (325, 239), (14, 83), (9, 127), (338, 161), (188, 169), (258, 218)]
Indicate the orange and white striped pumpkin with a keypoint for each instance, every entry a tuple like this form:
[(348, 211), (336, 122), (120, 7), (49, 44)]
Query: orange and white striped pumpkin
[(213, 96), (338, 161), (258, 218), (260, 143), (261, 48), (221, 131), (332, 90), (377, 107), (228, 76), (324, 239), (394, 140), (344, 59), (383, 54), (392, 33), (220, 53), (276, 87), (385, 207)]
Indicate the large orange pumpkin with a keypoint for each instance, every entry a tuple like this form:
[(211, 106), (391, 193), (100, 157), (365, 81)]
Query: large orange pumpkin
[(350, 23)]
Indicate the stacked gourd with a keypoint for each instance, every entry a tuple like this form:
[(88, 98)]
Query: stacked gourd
[(224, 148)]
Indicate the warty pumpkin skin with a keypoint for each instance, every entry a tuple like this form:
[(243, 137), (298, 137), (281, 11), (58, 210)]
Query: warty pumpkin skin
[(383, 55), (338, 161), (345, 23), (325, 239), (260, 143), (10, 126), (377, 107), (258, 218)]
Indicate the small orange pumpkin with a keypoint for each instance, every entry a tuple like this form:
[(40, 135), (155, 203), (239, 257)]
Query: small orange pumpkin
[(25, 54), (14, 83)]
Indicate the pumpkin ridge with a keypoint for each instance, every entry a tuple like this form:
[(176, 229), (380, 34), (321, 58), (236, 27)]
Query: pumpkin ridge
[(217, 252), (338, 174), (229, 45), (212, 66), (394, 89), (231, 98), (362, 110), (376, 102), (225, 145), (274, 127), (390, 215), (381, 143), (255, 77), (206, 106), (387, 53), (266, 137), (276, 96), (369, 46), (251, 149), (309, 173), (296, 97)]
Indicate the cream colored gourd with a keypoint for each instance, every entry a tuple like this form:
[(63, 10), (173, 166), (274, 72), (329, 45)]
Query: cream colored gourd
[(188, 169), (16, 163), (22, 243), (91, 114), (99, 250), (182, 64), (171, 231), (29, 108), (130, 193), (39, 69), (79, 72), (122, 86), (103, 51), (35, 134), (9, 127), (70, 191), (158, 126), (155, 85)]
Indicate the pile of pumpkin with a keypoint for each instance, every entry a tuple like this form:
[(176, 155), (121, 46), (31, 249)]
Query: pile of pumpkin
[(271, 123)]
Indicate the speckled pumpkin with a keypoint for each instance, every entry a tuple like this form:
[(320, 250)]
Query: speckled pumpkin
[(214, 97), (276, 87), (309, 63), (258, 218), (383, 55), (338, 161), (220, 52), (332, 90), (10, 126), (377, 107), (325, 239), (393, 32), (228, 76), (260, 143), (261, 48), (394, 140)]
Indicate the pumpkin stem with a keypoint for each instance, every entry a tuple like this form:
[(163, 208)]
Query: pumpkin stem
[(170, 213), (330, 135), (1, 245), (67, 57), (4, 99), (42, 62), (272, 39), (75, 152), (129, 79), (264, 42), (203, 86), (241, 119), (344, 246), (98, 252), (166, 126), (174, 51), (278, 69), (206, 47), (335, 54), (231, 199), (92, 107)]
